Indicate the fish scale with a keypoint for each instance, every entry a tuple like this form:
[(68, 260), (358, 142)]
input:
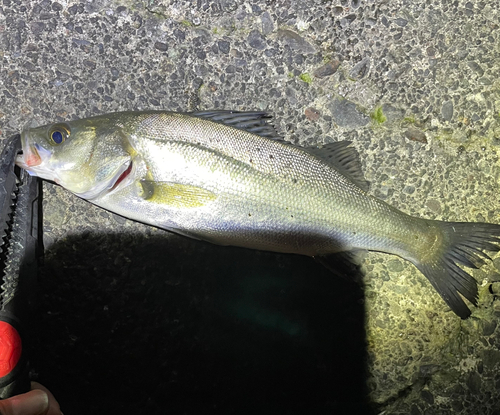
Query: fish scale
[(266, 189), (252, 150)]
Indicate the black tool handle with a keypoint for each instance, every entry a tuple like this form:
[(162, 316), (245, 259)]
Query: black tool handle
[(20, 228)]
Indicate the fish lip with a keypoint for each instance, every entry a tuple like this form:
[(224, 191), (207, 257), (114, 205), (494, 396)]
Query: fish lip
[(33, 154), (30, 156)]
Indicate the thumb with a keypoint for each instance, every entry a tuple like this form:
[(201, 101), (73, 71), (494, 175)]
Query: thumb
[(35, 402)]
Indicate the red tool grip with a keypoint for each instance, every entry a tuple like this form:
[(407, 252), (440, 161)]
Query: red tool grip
[(10, 348)]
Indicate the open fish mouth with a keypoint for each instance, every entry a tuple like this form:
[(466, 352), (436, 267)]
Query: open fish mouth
[(31, 154), (31, 158)]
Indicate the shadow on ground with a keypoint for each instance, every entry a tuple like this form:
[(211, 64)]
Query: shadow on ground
[(133, 324)]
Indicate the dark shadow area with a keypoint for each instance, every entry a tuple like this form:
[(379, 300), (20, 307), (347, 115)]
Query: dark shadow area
[(135, 324)]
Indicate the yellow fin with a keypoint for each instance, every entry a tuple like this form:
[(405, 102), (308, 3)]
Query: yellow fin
[(175, 194)]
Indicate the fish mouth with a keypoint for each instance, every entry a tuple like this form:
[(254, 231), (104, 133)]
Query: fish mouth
[(32, 158), (30, 154), (29, 158)]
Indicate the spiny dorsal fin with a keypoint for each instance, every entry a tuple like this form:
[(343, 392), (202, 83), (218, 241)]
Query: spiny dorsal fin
[(256, 122), (343, 158), (339, 155)]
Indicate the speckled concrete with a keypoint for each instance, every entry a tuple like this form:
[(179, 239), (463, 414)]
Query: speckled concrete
[(414, 85)]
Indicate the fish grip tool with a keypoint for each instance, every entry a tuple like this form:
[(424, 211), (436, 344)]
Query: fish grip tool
[(20, 250)]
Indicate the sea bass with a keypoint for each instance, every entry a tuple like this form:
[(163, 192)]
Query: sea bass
[(226, 177)]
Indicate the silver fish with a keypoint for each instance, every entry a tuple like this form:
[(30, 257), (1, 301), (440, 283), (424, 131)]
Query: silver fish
[(225, 177)]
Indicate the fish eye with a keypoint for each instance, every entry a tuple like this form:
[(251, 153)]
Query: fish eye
[(57, 137), (58, 134)]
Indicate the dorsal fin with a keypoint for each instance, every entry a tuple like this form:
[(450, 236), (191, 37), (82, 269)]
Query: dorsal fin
[(256, 122), (339, 155), (343, 158)]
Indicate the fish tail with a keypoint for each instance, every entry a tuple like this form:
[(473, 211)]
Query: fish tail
[(462, 244)]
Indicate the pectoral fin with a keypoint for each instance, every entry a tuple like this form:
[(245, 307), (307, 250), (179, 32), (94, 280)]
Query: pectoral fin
[(175, 194)]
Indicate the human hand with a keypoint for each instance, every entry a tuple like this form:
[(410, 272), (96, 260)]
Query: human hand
[(38, 401)]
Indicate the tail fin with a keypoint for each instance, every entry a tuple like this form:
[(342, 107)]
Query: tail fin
[(464, 244)]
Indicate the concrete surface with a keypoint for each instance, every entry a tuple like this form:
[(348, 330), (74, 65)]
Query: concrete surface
[(142, 319)]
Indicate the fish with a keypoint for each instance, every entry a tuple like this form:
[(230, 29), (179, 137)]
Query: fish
[(227, 177)]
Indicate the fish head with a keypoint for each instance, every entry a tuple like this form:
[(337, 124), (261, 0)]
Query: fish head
[(87, 157)]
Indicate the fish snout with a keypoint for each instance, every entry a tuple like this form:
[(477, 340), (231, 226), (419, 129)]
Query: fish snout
[(31, 158)]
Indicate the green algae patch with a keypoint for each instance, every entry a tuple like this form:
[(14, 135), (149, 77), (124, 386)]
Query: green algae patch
[(305, 77), (378, 115)]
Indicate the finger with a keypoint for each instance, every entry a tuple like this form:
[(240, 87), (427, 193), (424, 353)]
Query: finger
[(35, 402), (54, 408)]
